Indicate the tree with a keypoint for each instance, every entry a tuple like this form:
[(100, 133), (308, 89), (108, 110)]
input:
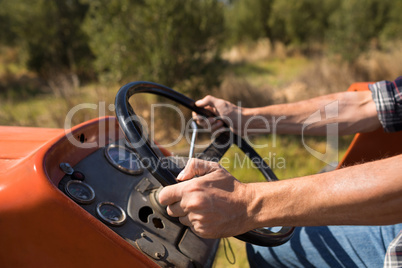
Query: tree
[(248, 20), (393, 28), (50, 31), (7, 36), (301, 22), (172, 42), (354, 24)]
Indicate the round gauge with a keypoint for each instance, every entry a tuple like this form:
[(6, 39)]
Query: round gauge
[(111, 213), (80, 192), (123, 159)]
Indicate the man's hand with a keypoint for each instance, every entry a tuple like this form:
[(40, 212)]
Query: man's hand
[(225, 112), (214, 204)]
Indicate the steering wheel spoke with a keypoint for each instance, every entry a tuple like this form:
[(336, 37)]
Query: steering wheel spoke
[(215, 151)]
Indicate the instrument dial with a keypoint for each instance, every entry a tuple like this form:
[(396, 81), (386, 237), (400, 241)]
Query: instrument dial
[(111, 213), (80, 192), (123, 159)]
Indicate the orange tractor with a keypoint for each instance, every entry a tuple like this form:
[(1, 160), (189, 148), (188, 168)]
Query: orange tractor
[(88, 196)]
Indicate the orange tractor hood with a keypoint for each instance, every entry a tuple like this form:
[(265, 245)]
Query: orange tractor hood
[(39, 225)]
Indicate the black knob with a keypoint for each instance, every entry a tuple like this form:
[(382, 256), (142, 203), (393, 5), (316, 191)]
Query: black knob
[(77, 175)]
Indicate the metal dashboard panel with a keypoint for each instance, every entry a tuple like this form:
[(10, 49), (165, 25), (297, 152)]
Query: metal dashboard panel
[(146, 228)]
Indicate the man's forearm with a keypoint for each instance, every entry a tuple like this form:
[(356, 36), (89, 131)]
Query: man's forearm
[(368, 194), (354, 112)]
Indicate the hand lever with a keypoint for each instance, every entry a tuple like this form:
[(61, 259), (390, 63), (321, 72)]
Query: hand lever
[(193, 137)]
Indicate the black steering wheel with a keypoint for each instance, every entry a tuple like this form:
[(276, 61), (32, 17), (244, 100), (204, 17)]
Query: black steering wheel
[(149, 154)]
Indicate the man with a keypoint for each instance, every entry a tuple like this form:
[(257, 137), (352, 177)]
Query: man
[(368, 196)]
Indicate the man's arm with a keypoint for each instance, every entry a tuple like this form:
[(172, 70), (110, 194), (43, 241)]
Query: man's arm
[(356, 112), (215, 204)]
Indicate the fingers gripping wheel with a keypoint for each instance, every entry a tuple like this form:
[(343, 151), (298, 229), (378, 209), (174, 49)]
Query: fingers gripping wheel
[(132, 128)]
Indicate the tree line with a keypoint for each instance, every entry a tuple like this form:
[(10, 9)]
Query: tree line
[(179, 42)]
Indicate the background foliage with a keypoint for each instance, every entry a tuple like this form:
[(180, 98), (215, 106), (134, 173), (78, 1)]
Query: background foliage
[(178, 42), (51, 34), (173, 42), (255, 51), (346, 27)]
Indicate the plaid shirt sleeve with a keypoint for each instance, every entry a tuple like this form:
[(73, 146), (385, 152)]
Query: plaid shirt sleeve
[(393, 257), (387, 97)]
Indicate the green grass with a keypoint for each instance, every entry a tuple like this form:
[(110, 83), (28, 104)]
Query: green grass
[(26, 100), (30, 112), (239, 251), (49, 110), (274, 72)]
